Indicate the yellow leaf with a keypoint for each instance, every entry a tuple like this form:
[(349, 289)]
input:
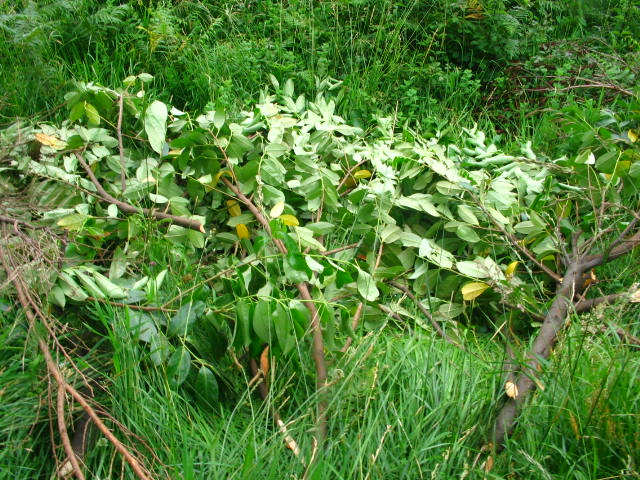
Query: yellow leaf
[(511, 268), (50, 141), (511, 389), (633, 135), (234, 208), (473, 290), (289, 220), (277, 210), (362, 174), (242, 230), (220, 174)]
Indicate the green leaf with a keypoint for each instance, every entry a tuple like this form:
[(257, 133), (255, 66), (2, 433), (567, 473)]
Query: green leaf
[(158, 198), (184, 318), (296, 268), (119, 264), (178, 366), (466, 215), (155, 124), (77, 111), (467, 234), (73, 222), (159, 348), (57, 297), (195, 238), (367, 286), (242, 336), (145, 77), (262, 324), (142, 326), (92, 114), (429, 249), (207, 386), (473, 269)]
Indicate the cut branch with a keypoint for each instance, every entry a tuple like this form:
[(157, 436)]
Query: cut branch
[(316, 328), (128, 208), (32, 312)]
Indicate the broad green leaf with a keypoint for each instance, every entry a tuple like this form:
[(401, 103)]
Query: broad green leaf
[(474, 269), (473, 290), (155, 124), (141, 325), (184, 318), (321, 228), (436, 254), (57, 296), (466, 215), (145, 77), (195, 238), (450, 310), (390, 233), (90, 285), (296, 268), (110, 289), (158, 198), (467, 234), (73, 222), (159, 349), (92, 114), (207, 386), (112, 211), (276, 150), (242, 336), (367, 286), (262, 323), (178, 366), (528, 228)]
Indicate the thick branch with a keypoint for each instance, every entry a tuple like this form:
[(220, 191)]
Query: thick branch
[(128, 208), (625, 246), (585, 305), (525, 381)]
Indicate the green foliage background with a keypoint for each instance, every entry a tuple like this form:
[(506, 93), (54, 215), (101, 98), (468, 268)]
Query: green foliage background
[(412, 125)]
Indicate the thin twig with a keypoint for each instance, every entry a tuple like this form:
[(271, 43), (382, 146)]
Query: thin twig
[(123, 175), (427, 314), (30, 307)]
